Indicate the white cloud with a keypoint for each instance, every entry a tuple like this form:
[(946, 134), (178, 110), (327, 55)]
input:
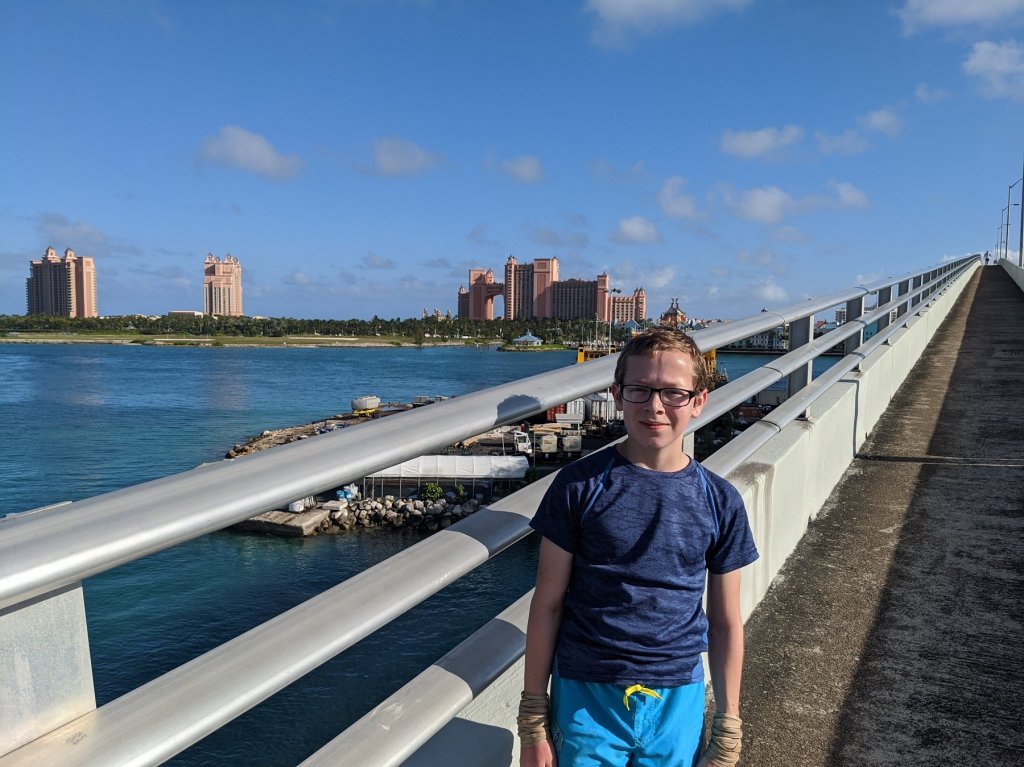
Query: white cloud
[(60, 233), (635, 230), (374, 261), (1000, 67), (884, 121), (767, 204), (526, 169), (918, 14), (848, 142), (849, 196), (401, 157), (928, 95), (297, 278), (236, 147), (770, 291), (628, 275), (767, 141), (657, 277), (478, 234), (605, 171), (790, 234), (673, 203), (620, 20), (545, 235)]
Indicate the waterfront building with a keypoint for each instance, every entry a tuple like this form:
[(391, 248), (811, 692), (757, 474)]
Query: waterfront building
[(574, 298), (222, 286), (535, 290), (479, 301), (629, 308), (673, 317), (62, 287)]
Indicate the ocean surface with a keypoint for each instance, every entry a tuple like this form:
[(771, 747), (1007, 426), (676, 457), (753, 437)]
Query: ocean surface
[(79, 420)]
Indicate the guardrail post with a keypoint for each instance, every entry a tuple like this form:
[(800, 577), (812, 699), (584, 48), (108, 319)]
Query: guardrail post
[(904, 289), (45, 670), (854, 310), (884, 297), (800, 334)]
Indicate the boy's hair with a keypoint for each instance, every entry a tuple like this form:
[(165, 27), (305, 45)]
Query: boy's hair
[(657, 340)]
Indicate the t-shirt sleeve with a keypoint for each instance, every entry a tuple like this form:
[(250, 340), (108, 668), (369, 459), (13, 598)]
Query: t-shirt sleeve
[(555, 519), (734, 548)]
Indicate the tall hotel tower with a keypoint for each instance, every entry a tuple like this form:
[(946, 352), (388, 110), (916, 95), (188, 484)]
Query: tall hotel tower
[(535, 290), (222, 286), (62, 287)]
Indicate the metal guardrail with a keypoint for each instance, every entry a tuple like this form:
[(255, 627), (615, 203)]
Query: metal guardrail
[(40, 553)]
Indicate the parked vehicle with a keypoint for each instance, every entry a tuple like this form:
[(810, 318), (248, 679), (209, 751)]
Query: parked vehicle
[(564, 445)]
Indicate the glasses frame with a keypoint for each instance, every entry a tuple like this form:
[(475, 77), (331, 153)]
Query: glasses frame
[(651, 391)]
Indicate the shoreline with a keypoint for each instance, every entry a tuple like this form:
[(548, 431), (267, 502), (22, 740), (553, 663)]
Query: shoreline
[(302, 343)]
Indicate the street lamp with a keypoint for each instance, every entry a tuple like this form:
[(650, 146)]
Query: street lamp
[(1006, 240), (1020, 239), (1006, 244)]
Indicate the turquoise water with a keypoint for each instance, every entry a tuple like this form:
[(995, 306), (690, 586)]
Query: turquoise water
[(81, 420)]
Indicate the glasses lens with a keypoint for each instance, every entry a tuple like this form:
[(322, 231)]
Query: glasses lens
[(675, 397), (636, 394)]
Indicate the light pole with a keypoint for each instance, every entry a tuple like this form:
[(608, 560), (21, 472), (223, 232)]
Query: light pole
[(1006, 243), (1020, 237), (999, 236), (1008, 210), (1005, 216)]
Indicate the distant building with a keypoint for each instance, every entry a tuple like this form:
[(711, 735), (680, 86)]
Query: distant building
[(673, 317), (528, 340), (535, 290), (222, 286), (632, 308), (62, 287)]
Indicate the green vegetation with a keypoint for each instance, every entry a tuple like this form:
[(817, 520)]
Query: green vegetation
[(274, 331), (432, 492)]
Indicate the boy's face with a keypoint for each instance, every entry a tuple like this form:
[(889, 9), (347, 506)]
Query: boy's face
[(655, 430)]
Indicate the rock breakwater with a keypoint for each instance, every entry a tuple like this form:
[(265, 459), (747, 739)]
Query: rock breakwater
[(332, 517)]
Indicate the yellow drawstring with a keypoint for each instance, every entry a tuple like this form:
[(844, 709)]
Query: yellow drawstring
[(635, 689)]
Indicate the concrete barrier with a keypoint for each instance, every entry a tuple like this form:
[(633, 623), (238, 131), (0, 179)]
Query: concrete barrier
[(1015, 272)]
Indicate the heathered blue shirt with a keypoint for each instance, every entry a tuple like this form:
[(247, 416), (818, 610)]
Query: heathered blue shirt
[(633, 610)]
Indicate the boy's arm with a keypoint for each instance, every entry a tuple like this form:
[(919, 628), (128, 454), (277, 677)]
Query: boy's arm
[(725, 660), (553, 572), (725, 640)]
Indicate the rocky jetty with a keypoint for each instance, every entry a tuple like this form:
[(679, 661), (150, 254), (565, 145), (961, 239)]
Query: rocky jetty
[(274, 437), (338, 516)]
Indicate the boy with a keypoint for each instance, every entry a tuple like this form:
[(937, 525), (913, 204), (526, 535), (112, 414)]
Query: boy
[(616, 622)]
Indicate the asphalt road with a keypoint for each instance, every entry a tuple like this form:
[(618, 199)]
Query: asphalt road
[(895, 633)]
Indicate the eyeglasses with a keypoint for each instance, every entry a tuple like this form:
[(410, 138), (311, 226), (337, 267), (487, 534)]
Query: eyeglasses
[(638, 395)]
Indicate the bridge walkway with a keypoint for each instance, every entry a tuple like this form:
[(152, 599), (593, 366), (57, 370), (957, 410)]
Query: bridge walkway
[(895, 633)]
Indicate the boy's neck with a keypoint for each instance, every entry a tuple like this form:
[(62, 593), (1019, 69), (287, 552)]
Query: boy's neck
[(657, 460)]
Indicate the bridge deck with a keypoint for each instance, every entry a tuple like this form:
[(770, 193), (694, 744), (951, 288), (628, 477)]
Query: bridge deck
[(894, 634)]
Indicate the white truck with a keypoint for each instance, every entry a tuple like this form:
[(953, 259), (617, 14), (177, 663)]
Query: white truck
[(521, 443)]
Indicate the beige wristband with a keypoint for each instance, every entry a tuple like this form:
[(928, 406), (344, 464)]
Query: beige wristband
[(532, 722), (726, 740)]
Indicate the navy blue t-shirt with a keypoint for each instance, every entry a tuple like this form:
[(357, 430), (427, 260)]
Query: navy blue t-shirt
[(633, 610)]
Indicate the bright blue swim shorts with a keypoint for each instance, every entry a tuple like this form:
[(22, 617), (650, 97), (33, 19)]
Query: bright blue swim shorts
[(606, 725)]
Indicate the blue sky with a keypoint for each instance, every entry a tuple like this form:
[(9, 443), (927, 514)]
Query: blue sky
[(360, 156)]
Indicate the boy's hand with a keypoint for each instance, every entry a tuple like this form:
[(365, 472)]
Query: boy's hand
[(541, 755)]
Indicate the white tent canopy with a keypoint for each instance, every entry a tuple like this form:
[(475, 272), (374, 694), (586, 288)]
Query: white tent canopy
[(470, 467)]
